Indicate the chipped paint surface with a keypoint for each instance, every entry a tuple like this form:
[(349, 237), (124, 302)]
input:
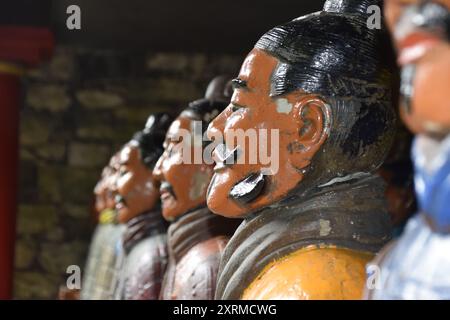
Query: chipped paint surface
[(283, 106), (344, 179), (325, 227)]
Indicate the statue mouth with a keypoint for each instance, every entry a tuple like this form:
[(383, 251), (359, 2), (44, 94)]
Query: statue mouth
[(408, 74), (249, 188), (120, 202), (166, 191)]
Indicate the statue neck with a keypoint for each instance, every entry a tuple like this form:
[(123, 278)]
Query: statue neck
[(145, 225), (194, 227)]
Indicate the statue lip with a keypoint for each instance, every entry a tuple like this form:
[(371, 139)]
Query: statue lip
[(166, 191), (120, 202), (414, 46), (249, 188)]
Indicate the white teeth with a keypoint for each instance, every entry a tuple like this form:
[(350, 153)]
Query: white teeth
[(414, 53)]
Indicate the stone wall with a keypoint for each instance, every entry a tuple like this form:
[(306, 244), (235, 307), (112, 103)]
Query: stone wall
[(78, 109)]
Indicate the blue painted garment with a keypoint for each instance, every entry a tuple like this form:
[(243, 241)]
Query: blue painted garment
[(417, 265), (432, 180)]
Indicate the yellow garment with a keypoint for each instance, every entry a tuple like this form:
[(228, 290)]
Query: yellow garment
[(107, 216), (312, 273)]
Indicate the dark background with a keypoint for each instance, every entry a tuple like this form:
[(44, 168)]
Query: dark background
[(175, 25)]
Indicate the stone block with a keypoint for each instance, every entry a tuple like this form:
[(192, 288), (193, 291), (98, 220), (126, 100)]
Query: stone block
[(77, 185), (24, 254), (51, 97), (36, 219), (36, 285), (34, 129), (49, 183), (98, 99), (88, 155), (56, 257)]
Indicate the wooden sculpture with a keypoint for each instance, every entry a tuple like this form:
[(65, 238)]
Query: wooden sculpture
[(138, 207), (196, 237), (315, 218)]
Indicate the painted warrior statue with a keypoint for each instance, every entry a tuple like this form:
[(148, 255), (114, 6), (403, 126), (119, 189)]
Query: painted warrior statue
[(397, 172), (101, 193), (316, 214), (196, 237), (417, 265), (103, 263), (138, 207)]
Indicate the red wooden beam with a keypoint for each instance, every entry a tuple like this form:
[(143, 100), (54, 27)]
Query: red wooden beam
[(19, 47), (9, 119), (25, 45)]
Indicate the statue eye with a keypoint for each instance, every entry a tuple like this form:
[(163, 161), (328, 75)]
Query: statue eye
[(235, 107), (170, 149), (175, 140), (123, 171)]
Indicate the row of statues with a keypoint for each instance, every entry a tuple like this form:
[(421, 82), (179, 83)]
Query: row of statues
[(318, 224)]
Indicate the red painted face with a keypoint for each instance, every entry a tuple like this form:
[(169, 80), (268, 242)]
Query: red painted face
[(183, 185), (104, 190), (137, 190), (100, 191), (300, 119), (110, 182), (423, 51)]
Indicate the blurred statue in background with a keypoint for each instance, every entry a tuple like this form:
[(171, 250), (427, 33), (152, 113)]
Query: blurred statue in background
[(103, 196), (397, 172), (138, 207), (196, 237), (417, 265), (103, 262), (312, 222)]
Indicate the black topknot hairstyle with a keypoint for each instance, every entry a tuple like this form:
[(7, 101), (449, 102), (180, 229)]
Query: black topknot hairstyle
[(334, 54), (349, 6), (151, 138), (205, 110)]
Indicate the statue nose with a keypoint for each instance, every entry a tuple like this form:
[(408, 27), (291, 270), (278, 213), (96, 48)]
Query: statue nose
[(157, 170), (216, 127)]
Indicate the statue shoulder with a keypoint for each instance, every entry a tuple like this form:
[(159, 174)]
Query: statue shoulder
[(314, 272)]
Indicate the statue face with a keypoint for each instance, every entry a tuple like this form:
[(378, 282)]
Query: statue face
[(100, 191), (419, 31), (240, 188), (137, 190), (104, 190), (183, 185)]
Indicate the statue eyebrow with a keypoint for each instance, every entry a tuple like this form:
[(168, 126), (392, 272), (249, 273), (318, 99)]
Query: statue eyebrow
[(239, 84)]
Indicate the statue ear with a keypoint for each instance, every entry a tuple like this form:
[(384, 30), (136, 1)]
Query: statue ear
[(313, 118)]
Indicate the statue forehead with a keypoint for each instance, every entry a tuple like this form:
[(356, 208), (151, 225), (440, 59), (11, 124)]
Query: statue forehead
[(128, 152), (258, 67), (181, 122)]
